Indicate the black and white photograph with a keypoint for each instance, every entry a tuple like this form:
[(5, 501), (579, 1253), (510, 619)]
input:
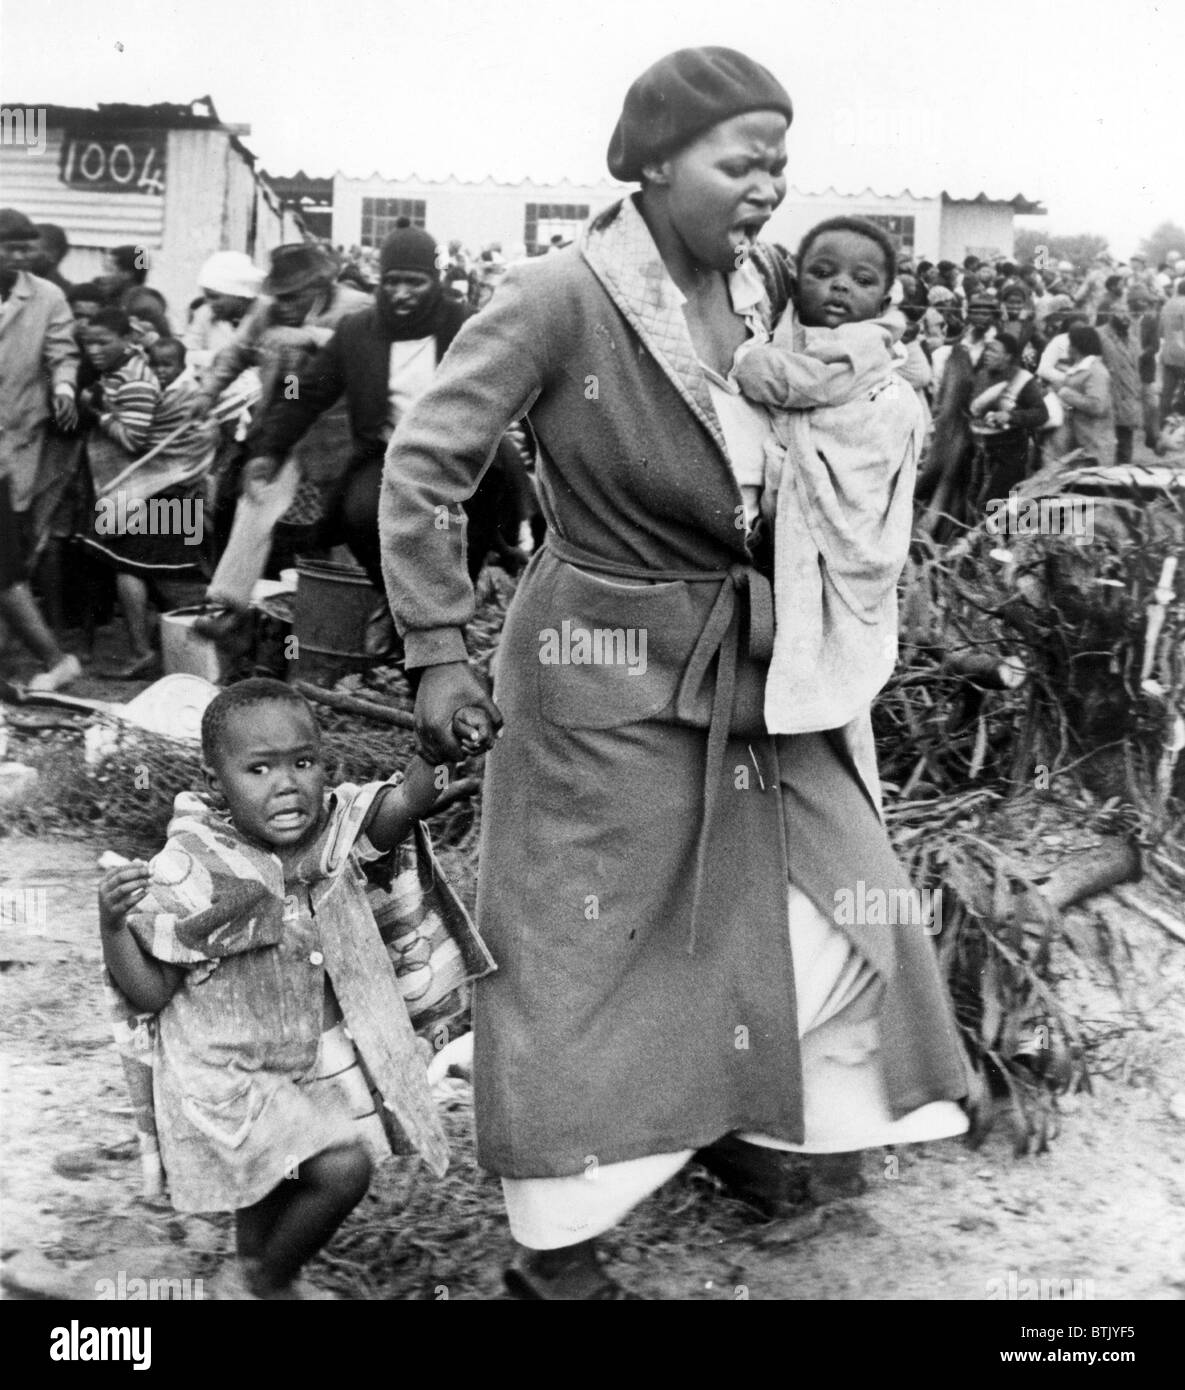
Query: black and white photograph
[(592, 665)]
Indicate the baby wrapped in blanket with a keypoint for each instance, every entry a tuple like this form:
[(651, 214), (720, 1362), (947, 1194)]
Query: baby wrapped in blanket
[(838, 476)]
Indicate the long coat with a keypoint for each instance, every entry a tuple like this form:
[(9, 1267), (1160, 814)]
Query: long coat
[(1090, 419), (37, 354), (640, 826), (1121, 353)]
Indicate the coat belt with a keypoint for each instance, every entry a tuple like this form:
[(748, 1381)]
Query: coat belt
[(719, 640)]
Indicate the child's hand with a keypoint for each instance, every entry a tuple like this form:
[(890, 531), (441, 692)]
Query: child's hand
[(119, 891)]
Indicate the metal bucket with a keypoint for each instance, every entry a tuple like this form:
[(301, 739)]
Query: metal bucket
[(334, 606)]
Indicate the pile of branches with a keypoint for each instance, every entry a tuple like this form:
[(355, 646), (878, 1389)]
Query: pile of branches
[(1035, 666)]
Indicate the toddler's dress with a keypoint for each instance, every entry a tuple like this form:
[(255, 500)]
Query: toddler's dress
[(289, 1033)]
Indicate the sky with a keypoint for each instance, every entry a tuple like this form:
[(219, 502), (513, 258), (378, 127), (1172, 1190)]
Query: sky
[(1079, 104)]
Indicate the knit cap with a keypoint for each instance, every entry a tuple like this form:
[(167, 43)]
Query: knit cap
[(683, 95), (408, 248)]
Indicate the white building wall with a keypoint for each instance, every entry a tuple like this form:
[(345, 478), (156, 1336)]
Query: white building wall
[(474, 213), (478, 213), (801, 211), (976, 229), (196, 200)]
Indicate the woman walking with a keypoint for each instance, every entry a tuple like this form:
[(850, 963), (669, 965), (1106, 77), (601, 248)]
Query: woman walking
[(661, 879)]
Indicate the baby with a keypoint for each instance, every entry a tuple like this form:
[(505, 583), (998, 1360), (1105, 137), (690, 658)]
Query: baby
[(251, 937), (166, 357), (837, 477)]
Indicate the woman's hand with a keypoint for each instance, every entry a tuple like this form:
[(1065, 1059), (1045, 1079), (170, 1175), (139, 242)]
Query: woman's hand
[(119, 891), (444, 690), (65, 411)]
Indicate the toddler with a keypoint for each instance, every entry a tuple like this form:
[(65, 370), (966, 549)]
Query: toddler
[(283, 1059), (836, 480)]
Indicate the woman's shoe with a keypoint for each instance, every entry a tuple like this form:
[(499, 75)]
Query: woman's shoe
[(771, 1181), (63, 673), (569, 1273), (832, 1177)]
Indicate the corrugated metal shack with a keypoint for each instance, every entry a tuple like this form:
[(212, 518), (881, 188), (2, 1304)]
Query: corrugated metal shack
[(174, 179)]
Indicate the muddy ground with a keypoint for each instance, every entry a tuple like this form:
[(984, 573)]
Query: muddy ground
[(1105, 1206)]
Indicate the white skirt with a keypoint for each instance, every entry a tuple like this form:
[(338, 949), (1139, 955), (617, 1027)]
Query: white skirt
[(845, 1104)]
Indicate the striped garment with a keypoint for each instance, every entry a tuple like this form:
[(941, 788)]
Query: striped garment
[(130, 395), (179, 455)]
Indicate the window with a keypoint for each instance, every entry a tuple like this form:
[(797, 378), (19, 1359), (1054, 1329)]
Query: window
[(900, 228), (545, 220), (379, 216)]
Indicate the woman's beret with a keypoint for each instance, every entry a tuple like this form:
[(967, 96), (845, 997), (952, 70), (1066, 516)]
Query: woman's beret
[(684, 94)]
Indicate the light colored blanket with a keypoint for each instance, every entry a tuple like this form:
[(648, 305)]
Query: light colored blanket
[(840, 474)]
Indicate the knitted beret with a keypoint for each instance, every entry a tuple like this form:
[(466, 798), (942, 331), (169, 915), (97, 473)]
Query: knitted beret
[(683, 95)]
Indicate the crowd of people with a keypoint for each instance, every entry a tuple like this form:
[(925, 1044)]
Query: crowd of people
[(1037, 363), (111, 390), (1016, 363), (234, 404)]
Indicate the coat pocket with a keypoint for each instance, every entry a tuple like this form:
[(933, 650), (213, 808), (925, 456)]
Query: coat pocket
[(226, 1119), (613, 651)]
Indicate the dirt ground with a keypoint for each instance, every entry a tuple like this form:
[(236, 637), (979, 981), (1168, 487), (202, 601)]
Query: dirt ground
[(1105, 1206)]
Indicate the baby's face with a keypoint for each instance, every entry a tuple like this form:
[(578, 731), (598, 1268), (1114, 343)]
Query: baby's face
[(166, 365), (844, 279), (270, 769)]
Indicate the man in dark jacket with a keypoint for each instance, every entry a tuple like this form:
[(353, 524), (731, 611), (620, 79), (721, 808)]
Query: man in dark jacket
[(382, 359)]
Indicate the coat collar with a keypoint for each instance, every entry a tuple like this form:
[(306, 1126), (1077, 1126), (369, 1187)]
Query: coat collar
[(622, 254)]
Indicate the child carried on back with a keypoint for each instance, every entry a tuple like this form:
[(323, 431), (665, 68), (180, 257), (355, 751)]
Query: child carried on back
[(837, 478), (283, 1058)]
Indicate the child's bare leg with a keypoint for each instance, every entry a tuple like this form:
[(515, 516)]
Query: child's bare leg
[(307, 1210), (254, 1224), (19, 609), (133, 598)]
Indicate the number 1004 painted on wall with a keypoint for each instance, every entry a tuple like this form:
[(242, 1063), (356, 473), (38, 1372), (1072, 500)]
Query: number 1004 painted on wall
[(115, 163)]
